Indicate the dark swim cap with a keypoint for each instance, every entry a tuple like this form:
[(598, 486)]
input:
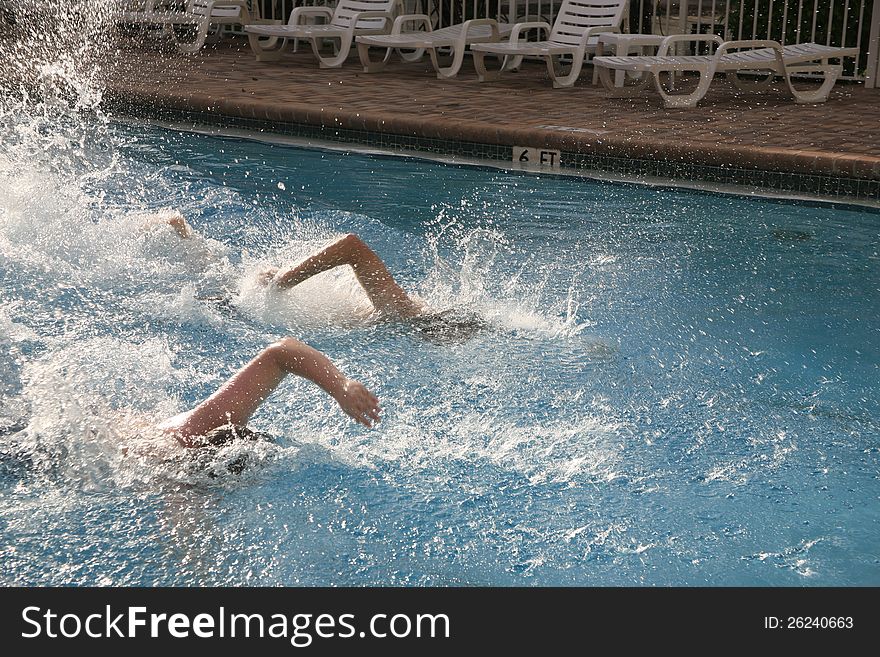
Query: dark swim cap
[(226, 434), (448, 327)]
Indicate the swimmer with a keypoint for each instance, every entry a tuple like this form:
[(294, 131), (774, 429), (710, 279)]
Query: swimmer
[(445, 327), (390, 301), (225, 414)]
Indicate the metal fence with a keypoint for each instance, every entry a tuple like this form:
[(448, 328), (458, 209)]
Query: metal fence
[(831, 22)]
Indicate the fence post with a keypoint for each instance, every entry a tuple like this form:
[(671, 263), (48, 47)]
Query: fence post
[(871, 75)]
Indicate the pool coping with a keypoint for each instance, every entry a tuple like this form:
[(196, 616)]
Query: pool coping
[(842, 177)]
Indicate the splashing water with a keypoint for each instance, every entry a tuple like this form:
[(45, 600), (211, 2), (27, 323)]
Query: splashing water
[(658, 399)]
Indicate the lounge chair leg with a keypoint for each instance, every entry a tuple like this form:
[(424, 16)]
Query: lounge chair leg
[(483, 74), (369, 65), (820, 95), (625, 91), (196, 45), (750, 85), (447, 72), (335, 61), (511, 63), (554, 68), (685, 101), (414, 56), (269, 50)]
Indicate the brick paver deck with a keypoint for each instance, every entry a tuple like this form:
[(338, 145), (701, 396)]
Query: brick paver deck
[(758, 130)]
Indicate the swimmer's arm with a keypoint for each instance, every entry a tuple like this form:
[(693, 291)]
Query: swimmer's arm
[(309, 363), (239, 397), (344, 251), (384, 292)]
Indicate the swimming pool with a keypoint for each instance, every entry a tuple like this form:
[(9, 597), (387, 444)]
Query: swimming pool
[(677, 388)]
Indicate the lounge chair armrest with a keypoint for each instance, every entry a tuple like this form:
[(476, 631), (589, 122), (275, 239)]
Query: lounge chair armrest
[(400, 21), (599, 29), (307, 12), (753, 43), (676, 38), (519, 28), (474, 22)]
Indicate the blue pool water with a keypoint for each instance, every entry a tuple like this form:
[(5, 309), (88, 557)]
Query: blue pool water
[(677, 388)]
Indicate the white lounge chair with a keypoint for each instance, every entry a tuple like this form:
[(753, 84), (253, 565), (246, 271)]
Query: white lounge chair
[(573, 34), (731, 57), (350, 19), (199, 14), (144, 12), (140, 16), (455, 37), (135, 11)]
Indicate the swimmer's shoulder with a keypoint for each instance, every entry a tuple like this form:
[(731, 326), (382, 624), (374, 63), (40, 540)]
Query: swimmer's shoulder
[(175, 427), (174, 423)]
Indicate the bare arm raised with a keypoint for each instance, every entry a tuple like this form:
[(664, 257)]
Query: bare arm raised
[(239, 397), (384, 292)]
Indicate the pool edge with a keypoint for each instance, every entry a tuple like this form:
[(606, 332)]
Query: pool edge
[(805, 175)]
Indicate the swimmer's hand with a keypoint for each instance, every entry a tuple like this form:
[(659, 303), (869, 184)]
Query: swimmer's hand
[(173, 219), (358, 402), (265, 277), (178, 223)]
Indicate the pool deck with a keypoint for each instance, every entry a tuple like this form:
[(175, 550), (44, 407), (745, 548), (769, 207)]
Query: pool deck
[(765, 132)]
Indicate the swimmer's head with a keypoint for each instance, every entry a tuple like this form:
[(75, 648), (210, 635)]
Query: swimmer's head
[(227, 433), (223, 436), (448, 327)]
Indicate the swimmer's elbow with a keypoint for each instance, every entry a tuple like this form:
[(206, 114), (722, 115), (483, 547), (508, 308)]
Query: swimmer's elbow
[(291, 356), (176, 428), (285, 348), (352, 241)]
